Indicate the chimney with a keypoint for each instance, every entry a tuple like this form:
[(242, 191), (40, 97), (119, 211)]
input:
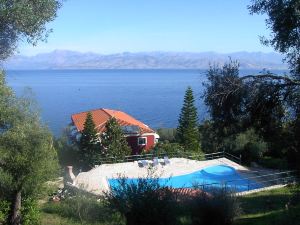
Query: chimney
[(70, 174)]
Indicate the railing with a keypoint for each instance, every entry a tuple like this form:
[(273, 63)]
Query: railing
[(254, 182), (214, 155), (251, 179), (232, 157), (187, 155)]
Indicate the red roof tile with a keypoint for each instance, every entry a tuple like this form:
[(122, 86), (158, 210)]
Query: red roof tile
[(101, 116)]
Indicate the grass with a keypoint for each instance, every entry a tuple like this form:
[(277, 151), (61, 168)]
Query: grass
[(54, 219), (269, 208), (263, 208), (79, 210)]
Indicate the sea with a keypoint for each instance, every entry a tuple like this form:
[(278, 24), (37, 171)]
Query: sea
[(154, 97)]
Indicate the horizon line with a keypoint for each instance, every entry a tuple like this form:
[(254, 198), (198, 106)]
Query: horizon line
[(141, 52)]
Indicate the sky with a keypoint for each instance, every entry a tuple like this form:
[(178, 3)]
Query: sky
[(115, 26)]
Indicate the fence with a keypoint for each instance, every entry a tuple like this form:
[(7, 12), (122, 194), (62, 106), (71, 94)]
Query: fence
[(187, 155), (249, 181), (254, 182), (223, 154)]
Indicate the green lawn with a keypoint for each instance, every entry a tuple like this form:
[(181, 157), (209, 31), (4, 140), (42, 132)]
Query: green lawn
[(268, 207), (263, 208), (55, 219), (79, 210)]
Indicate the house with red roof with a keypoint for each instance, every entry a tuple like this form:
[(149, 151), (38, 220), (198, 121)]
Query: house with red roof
[(139, 136)]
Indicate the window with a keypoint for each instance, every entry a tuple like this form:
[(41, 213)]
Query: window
[(142, 141), (130, 129)]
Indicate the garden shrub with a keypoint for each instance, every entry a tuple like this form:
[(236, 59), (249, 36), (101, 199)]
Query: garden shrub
[(220, 207), (273, 163), (29, 209), (30, 212), (168, 148), (167, 134), (250, 146), (295, 198), (4, 210), (143, 202), (83, 208), (67, 149)]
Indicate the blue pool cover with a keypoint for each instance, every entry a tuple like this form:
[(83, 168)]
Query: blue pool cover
[(213, 176)]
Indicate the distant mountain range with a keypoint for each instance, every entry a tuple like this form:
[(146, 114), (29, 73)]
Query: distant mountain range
[(64, 59)]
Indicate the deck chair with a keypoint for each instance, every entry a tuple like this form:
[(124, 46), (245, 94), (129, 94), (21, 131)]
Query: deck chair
[(166, 160), (143, 163), (155, 161)]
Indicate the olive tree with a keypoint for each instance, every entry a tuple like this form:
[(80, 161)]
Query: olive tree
[(24, 21), (27, 155)]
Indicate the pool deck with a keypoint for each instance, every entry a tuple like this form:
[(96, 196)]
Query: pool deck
[(95, 180)]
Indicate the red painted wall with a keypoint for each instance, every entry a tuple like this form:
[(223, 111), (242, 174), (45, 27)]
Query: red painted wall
[(137, 149)]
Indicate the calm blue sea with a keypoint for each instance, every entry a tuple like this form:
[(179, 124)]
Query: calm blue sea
[(152, 96)]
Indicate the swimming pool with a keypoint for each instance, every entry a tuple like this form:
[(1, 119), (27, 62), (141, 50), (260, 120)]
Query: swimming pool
[(213, 176)]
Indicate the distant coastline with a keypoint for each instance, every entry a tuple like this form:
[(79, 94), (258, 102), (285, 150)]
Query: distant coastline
[(71, 60)]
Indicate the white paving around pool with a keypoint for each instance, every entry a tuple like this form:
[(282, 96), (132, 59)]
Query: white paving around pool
[(95, 180)]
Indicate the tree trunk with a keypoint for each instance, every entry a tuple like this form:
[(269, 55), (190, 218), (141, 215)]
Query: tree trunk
[(16, 210)]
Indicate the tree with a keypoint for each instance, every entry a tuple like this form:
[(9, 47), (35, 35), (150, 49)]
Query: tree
[(24, 20), (27, 156), (68, 149), (237, 104), (113, 141), (167, 134), (210, 139), (187, 130), (89, 143), (283, 21), (249, 145), (223, 97), (266, 109), (271, 102)]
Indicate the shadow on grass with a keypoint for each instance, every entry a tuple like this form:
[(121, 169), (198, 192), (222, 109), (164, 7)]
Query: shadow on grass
[(280, 217), (274, 207), (264, 203)]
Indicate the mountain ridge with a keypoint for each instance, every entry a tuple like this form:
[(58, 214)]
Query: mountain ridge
[(67, 59)]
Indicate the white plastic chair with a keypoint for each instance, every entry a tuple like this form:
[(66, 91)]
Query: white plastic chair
[(166, 160)]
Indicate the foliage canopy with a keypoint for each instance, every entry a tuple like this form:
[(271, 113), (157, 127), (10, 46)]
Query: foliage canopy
[(89, 143), (24, 21), (27, 155), (283, 21), (187, 131), (113, 141)]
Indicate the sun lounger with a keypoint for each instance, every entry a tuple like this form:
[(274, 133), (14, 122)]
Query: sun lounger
[(166, 160), (155, 161), (143, 163)]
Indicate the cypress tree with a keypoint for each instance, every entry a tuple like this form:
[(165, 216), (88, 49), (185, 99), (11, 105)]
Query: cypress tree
[(113, 141), (89, 143), (187, 130)]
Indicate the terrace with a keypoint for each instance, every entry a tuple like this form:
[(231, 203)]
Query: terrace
[(181, 168)]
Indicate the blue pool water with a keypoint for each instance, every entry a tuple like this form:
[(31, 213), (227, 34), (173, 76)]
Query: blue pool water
[(213, 176)]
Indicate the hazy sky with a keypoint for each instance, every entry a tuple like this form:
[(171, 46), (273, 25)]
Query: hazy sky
[(112, 26)]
